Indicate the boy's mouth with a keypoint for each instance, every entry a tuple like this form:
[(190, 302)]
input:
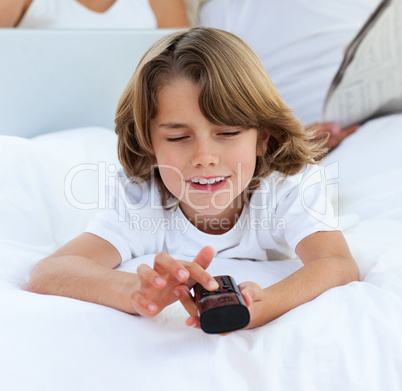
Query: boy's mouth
[(208, 184), (208, 181)]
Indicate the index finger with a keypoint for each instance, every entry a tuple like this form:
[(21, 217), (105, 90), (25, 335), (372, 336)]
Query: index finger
[(205, 257), (166, 264), (184, 271), (197, 268), (198, 274)]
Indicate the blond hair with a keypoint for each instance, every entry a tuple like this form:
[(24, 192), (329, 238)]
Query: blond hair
[(235, 90)]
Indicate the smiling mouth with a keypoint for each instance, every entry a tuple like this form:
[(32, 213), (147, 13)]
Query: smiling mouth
[(208, 184), (207, 181)]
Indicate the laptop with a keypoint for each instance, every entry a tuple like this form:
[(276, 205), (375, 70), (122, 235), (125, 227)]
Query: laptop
[(54, 80)]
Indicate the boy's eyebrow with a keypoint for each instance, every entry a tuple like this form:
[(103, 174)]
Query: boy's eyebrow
[(173, 125)]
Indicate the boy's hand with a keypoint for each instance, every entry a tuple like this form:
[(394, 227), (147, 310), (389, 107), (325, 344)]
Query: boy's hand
[(252, 294), (157, 284)]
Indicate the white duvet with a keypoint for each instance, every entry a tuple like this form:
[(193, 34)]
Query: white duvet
[(349, 338)]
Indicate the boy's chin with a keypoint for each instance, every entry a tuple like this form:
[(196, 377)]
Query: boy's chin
[(209, 209)]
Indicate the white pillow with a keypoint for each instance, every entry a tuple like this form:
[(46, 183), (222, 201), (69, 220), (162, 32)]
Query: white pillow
[(369, 170), (300, 42), (50, 186)]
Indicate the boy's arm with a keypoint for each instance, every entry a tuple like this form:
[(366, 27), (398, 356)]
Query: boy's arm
[(328, 263), (83, 269)]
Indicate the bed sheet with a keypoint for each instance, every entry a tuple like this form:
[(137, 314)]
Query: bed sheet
[(348, 338)]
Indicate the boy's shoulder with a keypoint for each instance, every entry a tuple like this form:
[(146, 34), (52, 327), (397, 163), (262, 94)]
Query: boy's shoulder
[(276, 187), (136, 191)]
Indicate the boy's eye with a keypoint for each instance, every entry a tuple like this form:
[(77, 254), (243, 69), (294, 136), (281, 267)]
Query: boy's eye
[(173, 139), (230, 134)]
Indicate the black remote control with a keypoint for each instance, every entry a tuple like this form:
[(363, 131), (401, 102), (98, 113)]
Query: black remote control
[(223, 310)]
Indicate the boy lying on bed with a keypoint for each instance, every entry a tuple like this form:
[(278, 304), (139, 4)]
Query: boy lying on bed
[(206, 143)]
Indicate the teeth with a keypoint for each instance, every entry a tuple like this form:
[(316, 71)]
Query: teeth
[(211, 181)]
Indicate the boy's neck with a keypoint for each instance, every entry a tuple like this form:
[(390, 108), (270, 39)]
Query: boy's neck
[(214, 225)]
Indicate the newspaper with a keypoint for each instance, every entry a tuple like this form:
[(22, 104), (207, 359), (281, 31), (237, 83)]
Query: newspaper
[(368, 83)]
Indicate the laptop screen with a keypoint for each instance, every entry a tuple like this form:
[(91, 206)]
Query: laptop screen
[(54, 80)]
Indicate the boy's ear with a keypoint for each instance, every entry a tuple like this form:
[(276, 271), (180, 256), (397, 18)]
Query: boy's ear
[(262, 145)]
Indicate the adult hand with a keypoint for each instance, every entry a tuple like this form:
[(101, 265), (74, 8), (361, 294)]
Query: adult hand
[(336, 134)]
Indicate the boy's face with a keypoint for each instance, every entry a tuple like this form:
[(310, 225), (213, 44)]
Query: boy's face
[(205, 166)]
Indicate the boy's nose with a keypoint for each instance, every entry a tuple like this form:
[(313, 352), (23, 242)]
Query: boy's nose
[(205, 154)]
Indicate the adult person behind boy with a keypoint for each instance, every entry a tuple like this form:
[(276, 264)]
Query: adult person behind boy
[(93, 13), (300, 44)]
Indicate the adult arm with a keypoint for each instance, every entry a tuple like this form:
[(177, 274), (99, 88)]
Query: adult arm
[(12, 11), (170, 13)]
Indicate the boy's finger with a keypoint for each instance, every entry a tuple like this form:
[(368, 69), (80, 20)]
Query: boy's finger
[(186, 299), (146, 273), (143, 306), (204, 257), (198, 274), (251, 292), (197, 268), (247, 297), (193, 321), (175, 268)]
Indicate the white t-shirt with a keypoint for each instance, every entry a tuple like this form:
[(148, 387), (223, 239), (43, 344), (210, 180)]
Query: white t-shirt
[(300, 42), (278, 216), (72, 14)]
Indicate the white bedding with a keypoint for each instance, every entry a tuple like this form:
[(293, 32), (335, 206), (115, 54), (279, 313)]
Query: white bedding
[(347, 339)]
